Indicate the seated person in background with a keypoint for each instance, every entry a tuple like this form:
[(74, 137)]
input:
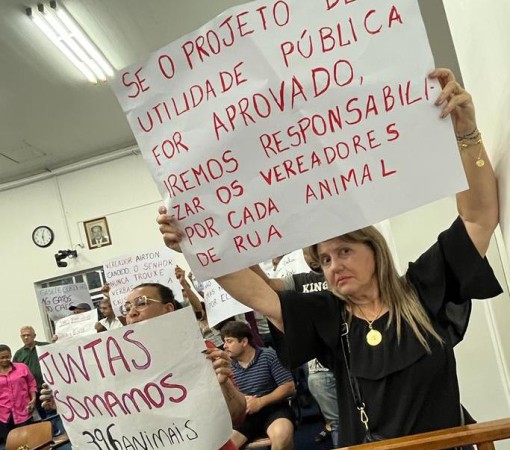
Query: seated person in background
[(263, 329), (212, 333), (78, 308), (266, 385), (110, 321), (149, 300), (198, 306), (320, 380), (250, 319)]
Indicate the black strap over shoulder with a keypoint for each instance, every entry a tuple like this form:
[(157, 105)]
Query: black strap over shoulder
[(353, 382)]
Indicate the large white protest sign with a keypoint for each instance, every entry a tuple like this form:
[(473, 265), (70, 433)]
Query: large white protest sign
[(284, 123), (138, 387), (219, 304), (76, 325), (57, 299), (149, 266)]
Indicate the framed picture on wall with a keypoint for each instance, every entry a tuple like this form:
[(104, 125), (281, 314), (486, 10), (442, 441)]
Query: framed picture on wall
[(98, 233)]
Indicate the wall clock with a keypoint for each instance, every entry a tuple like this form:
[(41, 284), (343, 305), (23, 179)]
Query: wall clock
[(43, 236)]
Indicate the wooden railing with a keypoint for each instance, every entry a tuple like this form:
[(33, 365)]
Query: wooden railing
[(482, 435)]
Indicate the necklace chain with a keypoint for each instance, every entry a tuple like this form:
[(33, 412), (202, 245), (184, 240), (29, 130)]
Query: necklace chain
[(373, 337), (370, 322)]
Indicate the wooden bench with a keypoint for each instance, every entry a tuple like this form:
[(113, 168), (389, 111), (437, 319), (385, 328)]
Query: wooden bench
[(482, 435)]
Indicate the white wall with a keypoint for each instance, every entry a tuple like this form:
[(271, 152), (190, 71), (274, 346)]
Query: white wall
[(482, 42), (122, 190)]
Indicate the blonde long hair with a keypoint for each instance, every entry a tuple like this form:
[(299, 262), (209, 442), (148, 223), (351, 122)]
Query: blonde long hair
[(395, 290)]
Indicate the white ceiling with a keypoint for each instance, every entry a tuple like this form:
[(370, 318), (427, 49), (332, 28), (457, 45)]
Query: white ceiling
[(50, 115)]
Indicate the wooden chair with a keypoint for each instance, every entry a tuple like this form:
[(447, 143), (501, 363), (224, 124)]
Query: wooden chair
[(482, 435), (59, 440), (36, 436)]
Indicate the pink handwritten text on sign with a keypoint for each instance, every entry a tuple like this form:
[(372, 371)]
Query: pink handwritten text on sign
[(133, 384), (283, 123)]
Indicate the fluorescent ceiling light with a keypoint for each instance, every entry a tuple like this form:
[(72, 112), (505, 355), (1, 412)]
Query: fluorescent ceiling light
[(67, 36)]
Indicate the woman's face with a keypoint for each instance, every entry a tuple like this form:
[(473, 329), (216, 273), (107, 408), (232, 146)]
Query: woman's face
[(152, 309), (5, 359), (349, 267)]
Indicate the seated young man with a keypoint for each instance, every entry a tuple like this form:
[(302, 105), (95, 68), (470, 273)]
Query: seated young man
[(266, 384)]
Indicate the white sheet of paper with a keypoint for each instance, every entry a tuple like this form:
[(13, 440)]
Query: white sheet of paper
[(155, 265), (219, 304), (57, 299), (74, 325), (283, 123), (147, 382), (293, 262)]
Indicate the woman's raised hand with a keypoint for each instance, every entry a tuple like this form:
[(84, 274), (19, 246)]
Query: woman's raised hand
[(456, 102), (168, 227)]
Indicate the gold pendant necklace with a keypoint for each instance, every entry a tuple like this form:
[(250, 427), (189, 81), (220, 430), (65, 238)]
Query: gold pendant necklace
[(373, 337)]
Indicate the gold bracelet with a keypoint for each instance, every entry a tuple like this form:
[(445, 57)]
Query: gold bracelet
[(465, 143), (471, 135)]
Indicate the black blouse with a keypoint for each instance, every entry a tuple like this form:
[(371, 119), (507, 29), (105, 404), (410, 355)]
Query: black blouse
[(406, 389)]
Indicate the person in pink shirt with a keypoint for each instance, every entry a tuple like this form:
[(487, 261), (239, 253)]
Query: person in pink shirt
[(18, 390)]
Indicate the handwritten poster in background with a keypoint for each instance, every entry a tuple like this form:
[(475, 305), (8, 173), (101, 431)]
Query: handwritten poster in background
[(219, 304), (293, 262), (58, 299), (283, 123), (132, 387), (198, 285), (150, 266), (74, 325)]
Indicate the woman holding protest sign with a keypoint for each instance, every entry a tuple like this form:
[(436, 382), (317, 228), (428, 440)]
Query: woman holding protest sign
[(389, 339)]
